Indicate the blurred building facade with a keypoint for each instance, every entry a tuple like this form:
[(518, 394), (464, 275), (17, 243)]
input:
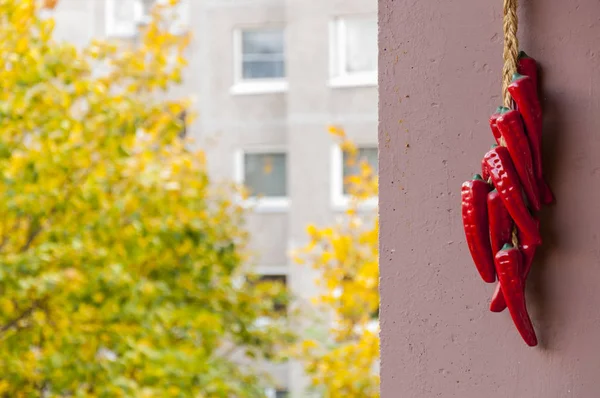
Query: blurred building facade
[(268, 78)]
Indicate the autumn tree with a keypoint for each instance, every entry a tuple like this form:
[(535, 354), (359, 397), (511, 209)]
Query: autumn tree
[(121, 263), (343, 359)]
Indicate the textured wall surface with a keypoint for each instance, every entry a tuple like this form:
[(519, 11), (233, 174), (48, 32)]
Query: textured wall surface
[(440, 63)]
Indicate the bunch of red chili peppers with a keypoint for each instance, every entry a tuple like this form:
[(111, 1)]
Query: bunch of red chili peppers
[(497, 206)]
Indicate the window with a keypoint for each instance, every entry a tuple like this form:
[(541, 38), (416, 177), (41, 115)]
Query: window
[(351, 165), (279, 303), (344, 166), (123, 17), (259, 60), (276, 284), (264, 174), (276, 393), (353, 51), (281, 394), (262, 54)]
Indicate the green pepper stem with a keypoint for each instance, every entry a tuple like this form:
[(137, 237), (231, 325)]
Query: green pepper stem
[(523, 54)]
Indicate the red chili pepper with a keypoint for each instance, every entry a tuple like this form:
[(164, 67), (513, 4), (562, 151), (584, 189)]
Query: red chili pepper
[(528, 66), (493, 125), (511, 128), (501, 225), (528, 248), (506, 181), (508, 265), (475, 220), (498, 304), (497, 136), (524, 92), (485, 174)]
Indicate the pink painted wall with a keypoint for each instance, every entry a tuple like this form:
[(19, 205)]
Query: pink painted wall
[(440, 64)]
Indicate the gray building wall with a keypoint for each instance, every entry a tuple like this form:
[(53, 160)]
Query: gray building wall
[(295, 120)]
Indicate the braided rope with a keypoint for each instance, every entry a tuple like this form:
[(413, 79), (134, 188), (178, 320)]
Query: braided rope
[(511, 56), (511, 47)]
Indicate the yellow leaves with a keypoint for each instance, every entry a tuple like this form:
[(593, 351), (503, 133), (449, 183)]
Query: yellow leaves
[(351, 150), (337, 131), (113, 235), (309, 345), (172, 186), (99, 88), (312, 231), (341, 247), (326, 257), (346, 255), (24, 12), (6, 306), (47, 29), (346, 370), (98, 297), (267, 165), (4, 386), (22, 45), (296, 256)]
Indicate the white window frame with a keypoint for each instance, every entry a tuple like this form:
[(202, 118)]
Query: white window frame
[(243, 86), (272, 204), (338, 76), (140, 18), (340, 201), (122, 29), (273, 270)]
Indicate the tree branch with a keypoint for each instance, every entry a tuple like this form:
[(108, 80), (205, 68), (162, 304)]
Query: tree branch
[(26, 313)]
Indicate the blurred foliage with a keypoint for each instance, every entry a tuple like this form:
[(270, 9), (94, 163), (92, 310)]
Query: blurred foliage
[(344, 361), (120, 261)]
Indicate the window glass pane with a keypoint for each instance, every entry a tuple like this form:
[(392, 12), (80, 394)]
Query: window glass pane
[(361, 45), (265, 174), (352, 165), (262, 69), (262, 41), (281, 394), (263, 54)]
